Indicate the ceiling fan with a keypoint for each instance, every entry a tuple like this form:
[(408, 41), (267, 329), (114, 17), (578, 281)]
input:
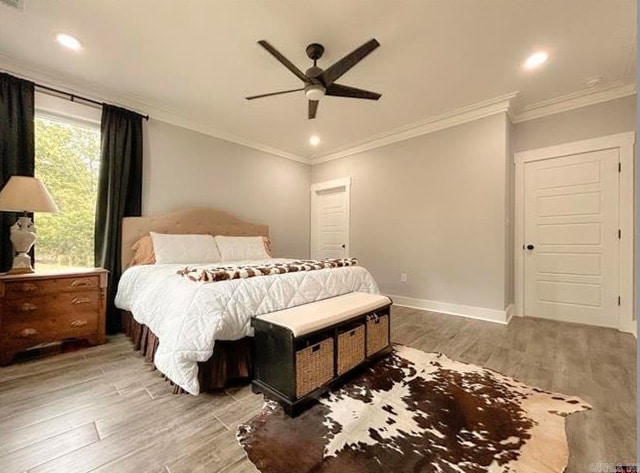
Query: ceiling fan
[(319, 82)]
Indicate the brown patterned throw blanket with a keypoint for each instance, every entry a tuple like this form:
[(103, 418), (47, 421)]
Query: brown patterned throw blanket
[(225, 273)]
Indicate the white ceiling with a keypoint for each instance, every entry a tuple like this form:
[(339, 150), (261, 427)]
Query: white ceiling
[(197, 59)]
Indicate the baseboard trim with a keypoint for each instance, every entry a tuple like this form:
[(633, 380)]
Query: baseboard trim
[(509, 312), (471, 312), (630, 326)]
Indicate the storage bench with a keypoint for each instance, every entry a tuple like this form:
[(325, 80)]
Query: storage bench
[(302, 352)]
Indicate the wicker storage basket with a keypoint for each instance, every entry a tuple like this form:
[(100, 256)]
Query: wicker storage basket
[(377, 333), (350, 348), (314, 366)]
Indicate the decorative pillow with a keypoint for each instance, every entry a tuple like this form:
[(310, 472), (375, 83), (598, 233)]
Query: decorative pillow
[(184, 248), (143, 252), (242, 248)]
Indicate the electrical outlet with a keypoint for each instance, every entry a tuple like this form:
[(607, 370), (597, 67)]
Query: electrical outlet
[(403, 277)]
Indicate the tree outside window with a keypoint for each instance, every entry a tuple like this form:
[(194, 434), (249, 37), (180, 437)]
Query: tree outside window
[(67, 161)]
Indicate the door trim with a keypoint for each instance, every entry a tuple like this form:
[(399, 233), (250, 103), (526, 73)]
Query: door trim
[(624, 142), (323, 186)]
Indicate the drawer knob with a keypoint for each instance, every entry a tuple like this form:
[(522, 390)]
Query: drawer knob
[(80, 300), (28, 287), (80, 283), (28, 307), (28, 332), (78, 323)]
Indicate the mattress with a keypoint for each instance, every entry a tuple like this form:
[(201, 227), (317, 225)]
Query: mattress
[(188, 317)]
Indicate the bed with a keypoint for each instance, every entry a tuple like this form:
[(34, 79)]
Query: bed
[(196, 333)]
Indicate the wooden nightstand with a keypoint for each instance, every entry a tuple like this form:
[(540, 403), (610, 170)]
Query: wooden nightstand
[(46, 307)]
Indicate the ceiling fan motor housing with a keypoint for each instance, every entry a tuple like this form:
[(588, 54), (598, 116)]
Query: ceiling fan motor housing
[(313, 72)]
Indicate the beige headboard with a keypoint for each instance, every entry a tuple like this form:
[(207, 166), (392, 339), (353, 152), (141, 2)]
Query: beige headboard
[(198, 221)]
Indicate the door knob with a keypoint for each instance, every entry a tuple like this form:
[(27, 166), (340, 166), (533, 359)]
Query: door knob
[(344, 246), (530, 246)]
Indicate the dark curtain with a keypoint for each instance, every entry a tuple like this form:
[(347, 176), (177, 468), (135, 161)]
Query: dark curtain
[(119, 194), (17, 147)]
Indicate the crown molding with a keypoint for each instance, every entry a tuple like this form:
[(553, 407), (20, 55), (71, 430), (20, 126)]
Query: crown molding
[(565, 103), (583, 98), (222, 135), (70, 85), (457, 117)]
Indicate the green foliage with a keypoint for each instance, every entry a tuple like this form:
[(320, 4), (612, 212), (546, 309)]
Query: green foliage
[(67, 162)]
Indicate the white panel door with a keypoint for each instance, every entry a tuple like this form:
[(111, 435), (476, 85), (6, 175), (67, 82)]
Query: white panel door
[(571, 238), (330, 231)]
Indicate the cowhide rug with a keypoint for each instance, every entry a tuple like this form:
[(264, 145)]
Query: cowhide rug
[(417, 412)]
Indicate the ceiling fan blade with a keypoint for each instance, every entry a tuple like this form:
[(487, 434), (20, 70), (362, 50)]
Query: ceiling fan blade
[(332, 74), (313, 109), (273, 93), (338, 90), (288, 64)]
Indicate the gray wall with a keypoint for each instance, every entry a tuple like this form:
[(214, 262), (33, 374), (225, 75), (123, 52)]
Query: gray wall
[(608, 118), (438, 207), (183, 168), (434, 207), (509, 228)]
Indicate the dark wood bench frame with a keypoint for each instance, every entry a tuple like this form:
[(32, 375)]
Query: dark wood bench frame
[(274, 356)]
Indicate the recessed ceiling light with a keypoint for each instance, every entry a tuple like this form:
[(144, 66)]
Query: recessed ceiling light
[(69, 41), (536, 60), (314, 140)]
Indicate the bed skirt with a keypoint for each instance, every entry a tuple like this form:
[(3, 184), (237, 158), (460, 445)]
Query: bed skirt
[(229, 364)]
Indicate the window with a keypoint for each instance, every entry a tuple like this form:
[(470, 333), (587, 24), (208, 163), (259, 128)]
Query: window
[(67, 161)]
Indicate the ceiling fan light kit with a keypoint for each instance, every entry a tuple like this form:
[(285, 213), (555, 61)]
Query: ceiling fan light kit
[(319, 82), (314, 92)]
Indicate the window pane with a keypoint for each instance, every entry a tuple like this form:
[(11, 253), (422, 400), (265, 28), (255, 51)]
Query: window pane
[(67, 162)]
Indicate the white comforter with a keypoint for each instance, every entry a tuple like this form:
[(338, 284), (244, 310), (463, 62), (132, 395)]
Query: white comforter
[(189, 316)]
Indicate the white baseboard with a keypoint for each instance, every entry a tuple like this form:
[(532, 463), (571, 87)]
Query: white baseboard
[(509, 312), (472, 312), (631, 327)]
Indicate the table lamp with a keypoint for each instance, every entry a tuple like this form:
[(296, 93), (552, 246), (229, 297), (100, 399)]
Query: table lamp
[(24, 194)]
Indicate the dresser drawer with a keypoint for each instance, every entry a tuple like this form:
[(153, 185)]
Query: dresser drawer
[(41, 306), (35, 329), (21, 289)]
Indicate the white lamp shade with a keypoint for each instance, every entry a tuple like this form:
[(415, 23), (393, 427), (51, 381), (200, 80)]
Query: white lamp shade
[(26, 194)]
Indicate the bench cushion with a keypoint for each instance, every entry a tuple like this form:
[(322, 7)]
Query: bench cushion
[(308, 318)]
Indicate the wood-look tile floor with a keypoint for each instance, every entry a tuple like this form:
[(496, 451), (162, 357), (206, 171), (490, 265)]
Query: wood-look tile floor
[(104, 410)]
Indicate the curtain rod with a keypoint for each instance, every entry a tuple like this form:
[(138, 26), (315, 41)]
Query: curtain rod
[(74, 97)]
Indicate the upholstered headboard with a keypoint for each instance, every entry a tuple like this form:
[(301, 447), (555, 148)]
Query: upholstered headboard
[(197, 221)]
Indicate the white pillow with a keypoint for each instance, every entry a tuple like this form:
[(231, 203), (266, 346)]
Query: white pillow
[(241, 248), (184, 248)]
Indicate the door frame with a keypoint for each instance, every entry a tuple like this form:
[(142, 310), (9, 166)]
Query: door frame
[(624, 142), (323, 186)]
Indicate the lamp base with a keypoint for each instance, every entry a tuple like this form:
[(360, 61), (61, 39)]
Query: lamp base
[(21, 264), (22, 237)]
